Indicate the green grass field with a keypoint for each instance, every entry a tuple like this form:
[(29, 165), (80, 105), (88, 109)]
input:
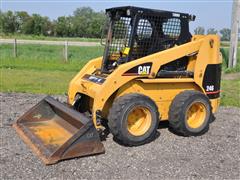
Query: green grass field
[(230, 92), (35, 81), (47, 57), (41, 69)]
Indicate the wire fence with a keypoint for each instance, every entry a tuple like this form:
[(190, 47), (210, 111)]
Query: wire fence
[(65, 45)]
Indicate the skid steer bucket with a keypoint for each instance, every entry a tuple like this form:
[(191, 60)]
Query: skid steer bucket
[(56, 132)]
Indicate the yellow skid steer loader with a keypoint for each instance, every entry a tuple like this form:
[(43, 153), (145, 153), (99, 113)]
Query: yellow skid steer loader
[(152, 70)]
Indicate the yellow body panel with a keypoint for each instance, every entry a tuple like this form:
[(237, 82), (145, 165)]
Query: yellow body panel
[(78, 85), (202, 50), (161, 93)]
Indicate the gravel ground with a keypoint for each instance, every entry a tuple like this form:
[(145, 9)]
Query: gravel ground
[(215, 155)]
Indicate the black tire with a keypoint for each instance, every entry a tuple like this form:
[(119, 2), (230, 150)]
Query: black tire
[(118, 115), (178, 112)]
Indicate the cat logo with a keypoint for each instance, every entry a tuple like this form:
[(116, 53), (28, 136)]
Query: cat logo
[(143, 70)]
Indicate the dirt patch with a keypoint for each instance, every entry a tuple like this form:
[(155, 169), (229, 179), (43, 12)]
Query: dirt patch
[(214, 155)]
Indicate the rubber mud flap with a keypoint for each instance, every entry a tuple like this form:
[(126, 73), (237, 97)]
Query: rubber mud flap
[(55, 132)]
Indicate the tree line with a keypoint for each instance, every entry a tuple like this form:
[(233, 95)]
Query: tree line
[(84, 22), (225, 33)]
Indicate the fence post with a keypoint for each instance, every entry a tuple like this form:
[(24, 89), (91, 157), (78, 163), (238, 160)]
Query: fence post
[(66, 51), (15, 48)]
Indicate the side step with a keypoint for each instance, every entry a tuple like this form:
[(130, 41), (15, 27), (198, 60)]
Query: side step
[(56, 132)]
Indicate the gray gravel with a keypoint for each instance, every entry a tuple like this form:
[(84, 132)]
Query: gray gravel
[(215, 155)]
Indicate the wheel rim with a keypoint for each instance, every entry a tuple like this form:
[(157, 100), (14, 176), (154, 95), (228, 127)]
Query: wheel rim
[(139, 121), (196, 115)]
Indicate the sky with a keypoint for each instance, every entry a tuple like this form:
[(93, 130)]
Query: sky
[(209, 14)]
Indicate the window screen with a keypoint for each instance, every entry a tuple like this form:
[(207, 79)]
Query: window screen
[(154, 34), (172, 27), (120, 35), (144, 29)]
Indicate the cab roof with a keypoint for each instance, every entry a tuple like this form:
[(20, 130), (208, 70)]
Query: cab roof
[(153, 12)]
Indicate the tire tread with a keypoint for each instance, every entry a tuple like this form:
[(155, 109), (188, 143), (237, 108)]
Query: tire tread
[(176, 109), (115, 113)]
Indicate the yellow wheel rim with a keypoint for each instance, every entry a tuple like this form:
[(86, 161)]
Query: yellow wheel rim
[(196, 115), (139, 121)]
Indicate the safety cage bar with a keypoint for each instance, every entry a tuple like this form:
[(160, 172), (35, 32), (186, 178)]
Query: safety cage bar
[(137, 32)]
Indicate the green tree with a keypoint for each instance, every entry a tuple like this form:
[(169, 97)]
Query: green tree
[(37, 25), (1, 22), (8, 22), (212, 31), (28, 26), (87, 23), (81, 21), (64, 26), (84, 23), (21, 18), (40, 25), (95, 28), (199, 30), (47, 28), (225, 34)]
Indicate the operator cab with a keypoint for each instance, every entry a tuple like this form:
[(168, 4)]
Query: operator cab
[(134, 32)]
